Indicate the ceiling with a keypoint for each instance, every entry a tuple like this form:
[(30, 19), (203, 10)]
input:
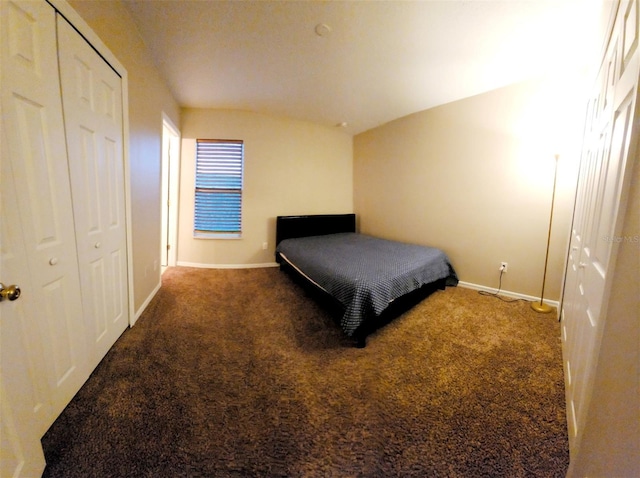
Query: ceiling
[(373, 61)]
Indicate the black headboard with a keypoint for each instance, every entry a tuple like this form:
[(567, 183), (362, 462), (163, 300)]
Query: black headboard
[(288, 227)]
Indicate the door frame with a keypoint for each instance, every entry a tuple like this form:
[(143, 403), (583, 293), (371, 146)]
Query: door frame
[(92, 38), (170, 192)]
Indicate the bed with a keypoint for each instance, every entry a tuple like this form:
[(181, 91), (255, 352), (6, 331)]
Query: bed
[(365, 278)]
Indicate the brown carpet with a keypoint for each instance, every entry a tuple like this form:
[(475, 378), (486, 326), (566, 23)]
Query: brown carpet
[(240, 373)]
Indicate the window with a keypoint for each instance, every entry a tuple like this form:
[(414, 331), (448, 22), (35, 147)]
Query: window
[(218, 204)]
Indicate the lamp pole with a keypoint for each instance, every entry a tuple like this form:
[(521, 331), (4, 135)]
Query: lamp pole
[(541, 306)]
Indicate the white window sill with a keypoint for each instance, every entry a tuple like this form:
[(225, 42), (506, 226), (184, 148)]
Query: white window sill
[(217, 235)]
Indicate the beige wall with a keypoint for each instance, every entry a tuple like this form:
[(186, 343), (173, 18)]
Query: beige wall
[(149, 97), (291, 167), (475, 178)]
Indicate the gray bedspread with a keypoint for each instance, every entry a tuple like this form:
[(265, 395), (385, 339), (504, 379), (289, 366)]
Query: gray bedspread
[(365, 273)]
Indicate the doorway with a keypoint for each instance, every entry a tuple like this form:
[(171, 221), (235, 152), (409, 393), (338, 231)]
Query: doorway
[(169, 200)]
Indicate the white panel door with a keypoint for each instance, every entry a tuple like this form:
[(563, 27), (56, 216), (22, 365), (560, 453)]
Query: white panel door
[(603, 173), (24, 400), (39, 214), (92, 103), (21, 454)]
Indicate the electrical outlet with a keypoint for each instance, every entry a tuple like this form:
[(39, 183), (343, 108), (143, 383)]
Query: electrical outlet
[(265, 245), (503, 267)]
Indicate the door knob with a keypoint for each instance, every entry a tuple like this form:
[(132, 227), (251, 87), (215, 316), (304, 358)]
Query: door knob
[(12, 292)]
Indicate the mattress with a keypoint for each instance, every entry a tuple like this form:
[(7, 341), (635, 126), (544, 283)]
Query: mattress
[(365, 273)]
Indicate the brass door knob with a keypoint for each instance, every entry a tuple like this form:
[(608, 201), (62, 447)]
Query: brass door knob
[(12, 292)]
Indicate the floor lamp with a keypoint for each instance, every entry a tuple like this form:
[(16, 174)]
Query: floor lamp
[(541, 306)]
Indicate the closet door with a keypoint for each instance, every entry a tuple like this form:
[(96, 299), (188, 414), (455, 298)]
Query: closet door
[(37, 218), (24, 402), (23, 392), (92, 104), (604, 176)]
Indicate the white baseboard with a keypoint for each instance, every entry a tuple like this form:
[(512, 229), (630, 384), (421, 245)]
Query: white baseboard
[(506, 293), (466, 285), (227, 266), (145, 303)]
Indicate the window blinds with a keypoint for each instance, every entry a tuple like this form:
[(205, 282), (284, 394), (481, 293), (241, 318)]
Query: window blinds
[(218, 201)]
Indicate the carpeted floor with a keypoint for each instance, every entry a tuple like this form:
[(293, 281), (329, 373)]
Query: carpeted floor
[(239, 373)]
